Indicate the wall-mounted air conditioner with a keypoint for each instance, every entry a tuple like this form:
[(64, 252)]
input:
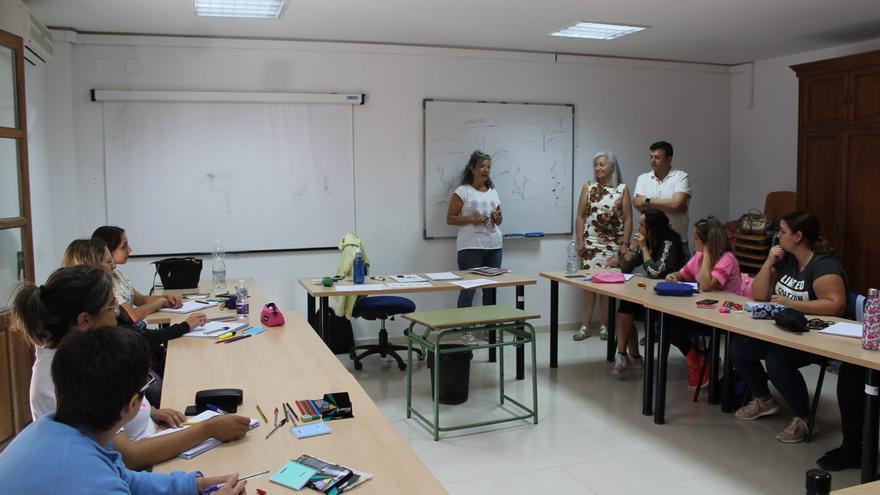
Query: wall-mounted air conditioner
[(15, 18)]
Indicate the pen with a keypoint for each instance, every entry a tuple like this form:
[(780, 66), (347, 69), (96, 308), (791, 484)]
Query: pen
[(215, 408), (233, 339), (286, 414), (202, 302), (262, 414), (214, 488), (276, 416), (284, 420), (292, 411), (223, 330)]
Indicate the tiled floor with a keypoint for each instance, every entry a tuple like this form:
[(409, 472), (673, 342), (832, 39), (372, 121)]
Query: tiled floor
[(592, 437)]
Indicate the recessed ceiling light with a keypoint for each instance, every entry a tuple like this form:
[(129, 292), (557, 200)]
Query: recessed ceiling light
[(597, 31), (254, 9)]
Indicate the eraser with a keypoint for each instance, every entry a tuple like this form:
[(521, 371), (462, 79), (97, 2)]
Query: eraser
[(724, 309)]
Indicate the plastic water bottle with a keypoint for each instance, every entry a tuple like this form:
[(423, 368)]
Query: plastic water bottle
[(358, 266), (571, 265), (871, 329), (242, 305), (218, 269)]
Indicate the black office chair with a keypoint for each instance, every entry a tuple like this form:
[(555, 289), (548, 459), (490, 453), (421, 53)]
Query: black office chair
[(381, 308)]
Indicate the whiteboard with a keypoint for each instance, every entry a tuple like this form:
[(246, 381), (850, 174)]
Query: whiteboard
[(532, 160), (257, 176)]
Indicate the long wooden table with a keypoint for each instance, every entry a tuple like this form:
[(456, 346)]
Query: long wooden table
[(314, 290), (839, 348), (283, 364)]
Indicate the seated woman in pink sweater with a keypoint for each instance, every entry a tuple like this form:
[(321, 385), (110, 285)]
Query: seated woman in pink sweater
[(713, 264)]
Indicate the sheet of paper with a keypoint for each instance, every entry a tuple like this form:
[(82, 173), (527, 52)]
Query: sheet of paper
[(411, 285), (443, 276), (359, 287), (207, 444), (470, 284), (628, 276), (212, 329), (408, 278), (844, 329), (190, 306)]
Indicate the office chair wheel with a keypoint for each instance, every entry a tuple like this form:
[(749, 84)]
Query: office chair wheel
[(352, 354), (358, 365), (401, 366)]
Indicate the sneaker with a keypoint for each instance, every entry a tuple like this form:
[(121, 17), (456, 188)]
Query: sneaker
[(582, 334), (468, 339), (643, 342), (621, 364), (603, 332), (841, 458), (795, 432), (695, 361), (757, 408), (635, 363)]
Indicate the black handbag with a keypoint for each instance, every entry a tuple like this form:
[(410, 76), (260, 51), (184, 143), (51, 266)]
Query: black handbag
[(179, 273)]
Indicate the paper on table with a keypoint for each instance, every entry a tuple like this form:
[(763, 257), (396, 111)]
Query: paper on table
[(844, 329), (189, 307), (213, 329), (628, 276), (359, 287), (207, 444), (474, 282), (443, 276), (410, 285), (408, 278)]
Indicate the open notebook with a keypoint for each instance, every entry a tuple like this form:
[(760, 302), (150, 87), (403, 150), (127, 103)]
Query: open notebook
[(207, 444), (190, 306), (214, 329)]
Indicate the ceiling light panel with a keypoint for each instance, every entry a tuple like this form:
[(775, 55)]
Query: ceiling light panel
[(597, 31), (251, 9)]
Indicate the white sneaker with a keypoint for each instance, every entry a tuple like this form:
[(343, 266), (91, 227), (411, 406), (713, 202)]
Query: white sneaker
[(635, 363), (468, 339), (620, 365), (582, 334), (603, 332)]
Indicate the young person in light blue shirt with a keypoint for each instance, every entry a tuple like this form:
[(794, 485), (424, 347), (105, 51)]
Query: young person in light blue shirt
[(100, 378)]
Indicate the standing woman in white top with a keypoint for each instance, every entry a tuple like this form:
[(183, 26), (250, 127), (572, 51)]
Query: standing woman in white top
[(137, 305), (476, 209), (604, 223)]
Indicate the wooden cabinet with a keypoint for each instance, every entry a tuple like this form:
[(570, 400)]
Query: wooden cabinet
[(839, 158)]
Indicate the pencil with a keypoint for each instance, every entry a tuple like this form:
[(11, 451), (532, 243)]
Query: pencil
[(262, 414), (292, 411)]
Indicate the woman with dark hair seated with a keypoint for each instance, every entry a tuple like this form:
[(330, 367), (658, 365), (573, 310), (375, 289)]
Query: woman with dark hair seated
[(799, 273)]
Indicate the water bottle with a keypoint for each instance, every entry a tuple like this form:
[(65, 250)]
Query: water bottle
[(218, 269), (242, 305), (571, 265), (358, 267), (871, 328), (818, 482)]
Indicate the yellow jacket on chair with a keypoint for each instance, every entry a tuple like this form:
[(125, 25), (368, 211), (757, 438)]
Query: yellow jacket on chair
[(344, 306)]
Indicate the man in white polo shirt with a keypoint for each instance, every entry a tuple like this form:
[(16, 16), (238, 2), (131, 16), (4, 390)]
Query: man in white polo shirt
[(666, 189)]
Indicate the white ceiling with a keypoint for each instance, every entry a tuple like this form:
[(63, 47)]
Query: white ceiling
[(710, 31)]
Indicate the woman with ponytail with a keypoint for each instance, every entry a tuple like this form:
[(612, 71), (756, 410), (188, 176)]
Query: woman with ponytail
[(799, 273), (80, 299)]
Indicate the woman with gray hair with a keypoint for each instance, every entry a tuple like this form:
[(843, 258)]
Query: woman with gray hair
[(604, 223)]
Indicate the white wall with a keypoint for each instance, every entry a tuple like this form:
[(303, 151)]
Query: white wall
[(620, 105), (763, 128)]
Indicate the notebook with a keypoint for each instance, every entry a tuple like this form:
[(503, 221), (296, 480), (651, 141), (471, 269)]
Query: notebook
[(189, 307), (207, 444), (311, 430), (293, 475), (214, 329)]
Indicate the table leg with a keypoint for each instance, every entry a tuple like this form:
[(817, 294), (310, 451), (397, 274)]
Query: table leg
[(662, 355), (310, 310), (409, 367), (325, 308), (648, 379), (727, 392), (492, 333), (611, 348), (554, 323), (714, 354), (520, 350), (869, 430)]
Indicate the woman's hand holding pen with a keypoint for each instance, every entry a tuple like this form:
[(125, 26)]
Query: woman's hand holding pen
[(196, 320), (174, 301), (227, 427), (229, 484)]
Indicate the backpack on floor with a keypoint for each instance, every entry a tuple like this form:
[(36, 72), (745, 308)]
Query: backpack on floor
[(338, 336)]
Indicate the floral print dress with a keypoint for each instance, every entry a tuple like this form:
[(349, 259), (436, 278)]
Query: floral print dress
[(603, 226)]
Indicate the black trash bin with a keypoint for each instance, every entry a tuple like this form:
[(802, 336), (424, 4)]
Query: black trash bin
[(456, 374)]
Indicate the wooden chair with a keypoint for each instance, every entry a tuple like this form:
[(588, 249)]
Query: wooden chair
[(751, 249)]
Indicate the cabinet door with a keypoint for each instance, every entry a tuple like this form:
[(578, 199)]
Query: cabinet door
[(823, 100), (819, 179), (865, 96), (862, 222), (7, 412)]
